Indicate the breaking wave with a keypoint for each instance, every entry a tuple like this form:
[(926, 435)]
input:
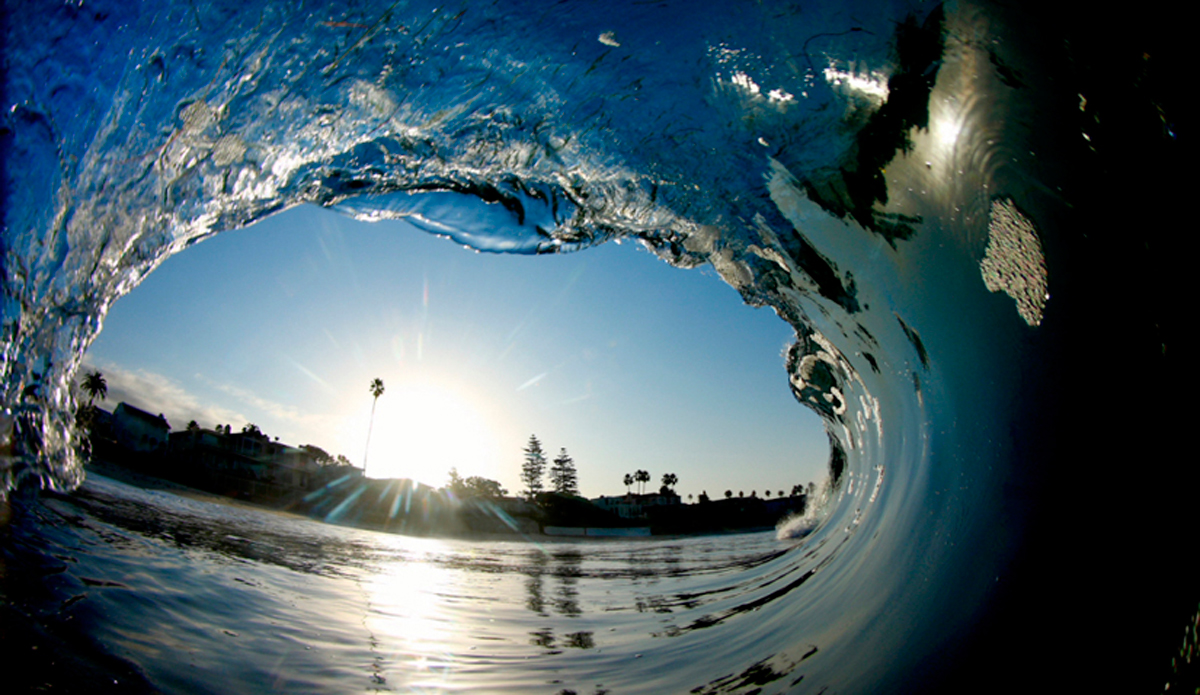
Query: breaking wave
[(893, 180)]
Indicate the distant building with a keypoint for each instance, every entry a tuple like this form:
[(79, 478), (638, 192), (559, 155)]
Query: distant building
[(137, 430), (209, 452), (633, 506), (293, 466), (102, 424), (249, 456)]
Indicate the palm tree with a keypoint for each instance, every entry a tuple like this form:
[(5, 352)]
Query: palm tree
[(376, 388), (669, 480), (95, 385), (641, 477), (628, 482)]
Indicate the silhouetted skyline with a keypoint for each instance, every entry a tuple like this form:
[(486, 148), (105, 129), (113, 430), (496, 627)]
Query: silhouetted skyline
[(626, 362)]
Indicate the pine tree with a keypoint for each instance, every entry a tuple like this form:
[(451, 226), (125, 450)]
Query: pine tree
[(563, 477), (534, 467)]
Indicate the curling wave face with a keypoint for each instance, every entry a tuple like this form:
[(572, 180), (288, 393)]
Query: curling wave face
[(857, 171)]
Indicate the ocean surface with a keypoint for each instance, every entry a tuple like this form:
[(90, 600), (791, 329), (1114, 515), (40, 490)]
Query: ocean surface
[(972, 215), (211, 597)]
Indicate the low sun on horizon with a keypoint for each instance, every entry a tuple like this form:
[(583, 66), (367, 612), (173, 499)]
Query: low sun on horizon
[(422, 428)]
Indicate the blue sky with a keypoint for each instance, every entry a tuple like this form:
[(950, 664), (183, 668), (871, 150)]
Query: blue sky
[(620, 358)]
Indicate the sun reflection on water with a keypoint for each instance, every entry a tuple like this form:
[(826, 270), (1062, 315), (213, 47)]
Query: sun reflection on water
[(407, 618)]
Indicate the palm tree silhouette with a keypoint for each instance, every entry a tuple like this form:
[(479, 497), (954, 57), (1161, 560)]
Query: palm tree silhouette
[(641, 477), (376, 388), (628, 482), (95, 385)]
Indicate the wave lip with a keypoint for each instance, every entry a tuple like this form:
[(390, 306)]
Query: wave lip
[(795, 527)]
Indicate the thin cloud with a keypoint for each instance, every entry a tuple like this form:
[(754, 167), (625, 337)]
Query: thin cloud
[(280, 417), (310, 374), (256, 402), (156, 393), (532, 381)]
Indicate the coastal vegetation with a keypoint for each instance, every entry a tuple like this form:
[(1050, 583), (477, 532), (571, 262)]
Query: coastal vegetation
[(474, 487), (94, 385), (563, 478), (533, 468)]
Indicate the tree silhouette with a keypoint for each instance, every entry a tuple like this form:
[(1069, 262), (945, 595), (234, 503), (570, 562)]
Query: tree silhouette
[(376, 388), (534, 466), (669, 480), (728, 494), (641, 477), (563, 476), (319, 455), (95, 385), (474, 486), (628, 482)]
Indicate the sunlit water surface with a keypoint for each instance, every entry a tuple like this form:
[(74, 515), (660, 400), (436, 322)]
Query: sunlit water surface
[(212, 597)]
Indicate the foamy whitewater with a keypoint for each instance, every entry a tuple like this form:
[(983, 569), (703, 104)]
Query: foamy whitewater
[(963, 210)]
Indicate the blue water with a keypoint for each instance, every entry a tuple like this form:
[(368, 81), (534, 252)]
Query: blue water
[(210, 597), (966, 212)]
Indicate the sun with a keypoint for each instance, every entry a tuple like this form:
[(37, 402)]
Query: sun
[(424, 427)]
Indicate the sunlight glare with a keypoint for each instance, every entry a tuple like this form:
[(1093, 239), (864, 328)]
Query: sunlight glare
[(407, 606), (423, 428)]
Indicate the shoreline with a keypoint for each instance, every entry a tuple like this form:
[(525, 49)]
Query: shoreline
[(142, 481), (121, 474)]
